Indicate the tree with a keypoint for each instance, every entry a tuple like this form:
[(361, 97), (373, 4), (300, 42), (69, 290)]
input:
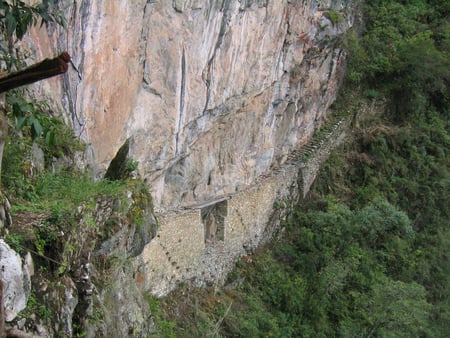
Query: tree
[(404, 53), (398, 308)]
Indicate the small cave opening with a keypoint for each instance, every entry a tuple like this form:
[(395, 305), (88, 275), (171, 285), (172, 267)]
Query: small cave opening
[(213, 218)]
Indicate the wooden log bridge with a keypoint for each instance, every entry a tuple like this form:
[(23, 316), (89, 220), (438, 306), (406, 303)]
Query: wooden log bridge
[(37, 72)]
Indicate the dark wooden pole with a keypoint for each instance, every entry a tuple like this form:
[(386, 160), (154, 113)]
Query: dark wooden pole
[(39, 71)]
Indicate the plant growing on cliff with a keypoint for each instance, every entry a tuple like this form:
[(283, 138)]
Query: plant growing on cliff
[(31, 127), (17, 17), (334, 17), (15, 241), (35, 119)]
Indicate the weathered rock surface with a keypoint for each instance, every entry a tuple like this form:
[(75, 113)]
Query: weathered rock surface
[(210, 94), (85, 280), (16, 281)]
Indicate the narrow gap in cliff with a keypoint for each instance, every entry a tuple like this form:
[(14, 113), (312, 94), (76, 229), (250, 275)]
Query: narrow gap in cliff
[(213, 218), (182, 93), (223, 28)]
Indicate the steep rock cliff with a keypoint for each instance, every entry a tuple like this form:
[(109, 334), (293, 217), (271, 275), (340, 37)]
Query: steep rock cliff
[(211, 94)]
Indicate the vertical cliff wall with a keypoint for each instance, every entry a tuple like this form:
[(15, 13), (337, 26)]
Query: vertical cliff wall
[(212, 94)]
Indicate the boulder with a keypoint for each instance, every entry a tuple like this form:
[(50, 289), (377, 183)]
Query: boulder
[(16, 281)]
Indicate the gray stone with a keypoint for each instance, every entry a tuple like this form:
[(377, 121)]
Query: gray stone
[(37, 158), (127, 314), (16, 281), (70, 301)]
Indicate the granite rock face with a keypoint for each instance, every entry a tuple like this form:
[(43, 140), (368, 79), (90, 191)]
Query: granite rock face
[(211, 94), (16, 281)]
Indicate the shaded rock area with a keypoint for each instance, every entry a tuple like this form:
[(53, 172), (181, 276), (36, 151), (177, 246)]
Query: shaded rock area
[(119, 168)]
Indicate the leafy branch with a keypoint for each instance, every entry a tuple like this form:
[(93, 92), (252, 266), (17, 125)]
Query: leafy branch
[(17, 17)]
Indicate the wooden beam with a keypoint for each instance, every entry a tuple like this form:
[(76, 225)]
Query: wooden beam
[(37, 72), (207, 203)]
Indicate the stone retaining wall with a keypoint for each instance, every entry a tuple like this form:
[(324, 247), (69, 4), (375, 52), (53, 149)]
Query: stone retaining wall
[(202, 244)]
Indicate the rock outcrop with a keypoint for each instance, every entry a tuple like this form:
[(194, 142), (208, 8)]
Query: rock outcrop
[(211, 94), (85, 280), (16, 281)]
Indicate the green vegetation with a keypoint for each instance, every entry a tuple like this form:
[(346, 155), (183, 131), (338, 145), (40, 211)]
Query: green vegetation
[(367, 253), (50, 200), (34, 306), (37, 120), (33, 123), (55, 208), (339, 272), (15, 241), (334, 17), (404, 54), (16, 18)]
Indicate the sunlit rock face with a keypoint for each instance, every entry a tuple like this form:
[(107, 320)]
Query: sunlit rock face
[(211, 94)]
